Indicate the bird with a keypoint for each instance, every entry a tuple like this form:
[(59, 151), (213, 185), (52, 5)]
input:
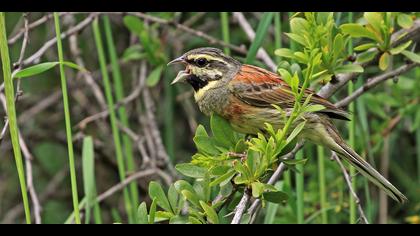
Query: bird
[(245, 96)]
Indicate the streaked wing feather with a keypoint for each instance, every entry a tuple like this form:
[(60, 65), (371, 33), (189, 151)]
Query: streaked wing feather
[(258, 87)]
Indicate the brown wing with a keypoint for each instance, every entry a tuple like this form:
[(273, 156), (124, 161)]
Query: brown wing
[(258, 87)]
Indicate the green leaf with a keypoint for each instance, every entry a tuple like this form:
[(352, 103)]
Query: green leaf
[(294, 83), (152, 211), (222, 131), (219, 170), (194, 220), (350, 68), (206, 145), (173, 198), (314, 108), (183, 185), (321, 73), (42, 67), (301, 57), (412, 56), (133, 24), (210, 213), (142, 214), (295, 161), (260, 34), (284, 52), (298, 38), (36, 69), (358, 31), (156, 192), (366, 56), (400, 48), (178, 220), (154, 76), (202, 189), (365, 46), (201, 131), (298, 25), (296, 131), (163, 215), (375, 19), (384, 61), (404, 20), (288, 148), (257, 189), (88, 174), (276, 197), (75, 66), (222, 178), (242, 169), (226, 189), (191, 170), (240, 146), (285, 75), (191, 197), (338, 45), (133, 53)]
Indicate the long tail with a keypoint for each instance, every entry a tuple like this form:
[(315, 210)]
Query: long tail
[(332, 140)]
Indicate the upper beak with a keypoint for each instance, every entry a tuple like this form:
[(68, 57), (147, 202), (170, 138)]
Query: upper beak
[(177, 60)]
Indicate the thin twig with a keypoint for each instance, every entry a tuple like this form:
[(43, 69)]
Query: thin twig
[(39, 106), (79, 27), (241, 207), (372, 82), (13, 39), (187, 29), (4, 130), (131, 97), (90, 81), (348, 181), (127, 181), (137, 140)]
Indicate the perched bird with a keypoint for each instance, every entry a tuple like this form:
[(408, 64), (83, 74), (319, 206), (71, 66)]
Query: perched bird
[(244, 94)]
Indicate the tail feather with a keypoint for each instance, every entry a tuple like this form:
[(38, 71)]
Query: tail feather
[(326, 134), (368, 171)]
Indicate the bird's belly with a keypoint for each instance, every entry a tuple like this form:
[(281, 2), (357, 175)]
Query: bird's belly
[(250, 119)]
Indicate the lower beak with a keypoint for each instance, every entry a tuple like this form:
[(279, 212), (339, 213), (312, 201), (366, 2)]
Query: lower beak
[(181, 77)]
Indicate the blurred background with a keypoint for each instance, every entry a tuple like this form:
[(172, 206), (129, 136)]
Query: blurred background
[(157, 121)]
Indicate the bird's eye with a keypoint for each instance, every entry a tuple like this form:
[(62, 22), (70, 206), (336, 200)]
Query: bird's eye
[(201, 62)]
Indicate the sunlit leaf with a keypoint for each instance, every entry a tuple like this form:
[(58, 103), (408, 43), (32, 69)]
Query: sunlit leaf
[(384, 61), (400, 48), (411, 55), (191, 170), (349, 68), (142, 214), (210, 213), (405, 20), (156, 192)]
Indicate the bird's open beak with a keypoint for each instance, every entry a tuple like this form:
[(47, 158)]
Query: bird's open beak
[(183, 74)]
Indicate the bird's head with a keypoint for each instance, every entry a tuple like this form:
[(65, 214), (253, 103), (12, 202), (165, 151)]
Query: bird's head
[(204, 65)]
